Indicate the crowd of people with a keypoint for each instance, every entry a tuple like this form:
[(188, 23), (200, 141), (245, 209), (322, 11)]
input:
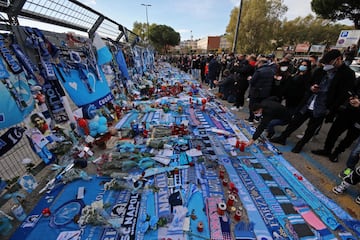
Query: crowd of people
[(289, 92)]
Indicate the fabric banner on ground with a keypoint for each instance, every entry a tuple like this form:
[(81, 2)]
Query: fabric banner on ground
[(122, 207)]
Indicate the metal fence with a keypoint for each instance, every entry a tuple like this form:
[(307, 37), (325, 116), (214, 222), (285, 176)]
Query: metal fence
[(11, 162)]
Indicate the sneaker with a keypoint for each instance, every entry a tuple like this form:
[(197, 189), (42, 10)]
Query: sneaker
[(357, 199), (241, 108), (234, 108), (341, 188), (300, 136), (279, 140), (345, 173), (321, 152)]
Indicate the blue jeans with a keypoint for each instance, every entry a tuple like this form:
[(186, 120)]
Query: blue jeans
[(353, 158), (275, 122)]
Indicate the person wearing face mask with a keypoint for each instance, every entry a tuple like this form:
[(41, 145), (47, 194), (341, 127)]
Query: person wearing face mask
[(281, 78), (296, 86), (328, 91), (272, 113)]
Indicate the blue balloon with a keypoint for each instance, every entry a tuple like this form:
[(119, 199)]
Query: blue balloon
[(93, 133), (93, 125), (102, 129), (102, 120)]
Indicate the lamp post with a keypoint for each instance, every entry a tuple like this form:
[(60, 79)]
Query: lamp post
[(237, 28), (147, 18)]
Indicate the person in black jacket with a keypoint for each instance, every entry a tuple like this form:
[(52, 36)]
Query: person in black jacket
[(272, 114), (260, 84), (347, 120), (327, 93), (281, 79), (242, 71), (214, 70), (226, 85), (296, 87)]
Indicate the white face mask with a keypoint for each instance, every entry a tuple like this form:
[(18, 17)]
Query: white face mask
[(328, 67), (257, 114), (284, 68)]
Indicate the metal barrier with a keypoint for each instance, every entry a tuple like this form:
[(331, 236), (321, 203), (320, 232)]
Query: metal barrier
[(11, 165)]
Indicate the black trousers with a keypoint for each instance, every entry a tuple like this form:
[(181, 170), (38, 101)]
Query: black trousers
[(298, 120), (343, 122), (240, 94)]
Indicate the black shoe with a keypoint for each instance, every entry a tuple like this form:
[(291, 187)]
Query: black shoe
[(321, 152), (270, 135), (334, 157), (296, 149), (279, 140)]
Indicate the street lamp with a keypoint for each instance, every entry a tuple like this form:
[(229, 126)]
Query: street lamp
[(237, 27), (147, 18)]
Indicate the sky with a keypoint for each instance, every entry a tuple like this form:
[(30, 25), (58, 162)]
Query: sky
[(188, 17)]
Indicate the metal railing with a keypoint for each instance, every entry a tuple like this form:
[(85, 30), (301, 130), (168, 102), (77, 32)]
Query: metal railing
[(70, 14)]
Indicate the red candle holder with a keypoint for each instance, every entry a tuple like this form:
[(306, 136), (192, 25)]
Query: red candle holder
[(221, 208), (237, 215), (221, 173), (46, 212), (230, 201), (200, 226), (225, 182)]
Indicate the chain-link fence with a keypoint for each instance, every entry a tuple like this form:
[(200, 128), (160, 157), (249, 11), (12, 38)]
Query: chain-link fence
[(11, 162)]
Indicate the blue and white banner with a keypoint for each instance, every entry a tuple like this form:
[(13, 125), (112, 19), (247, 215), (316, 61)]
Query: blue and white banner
[(10, 138), (120, 60), (85, 87), (17, 102)]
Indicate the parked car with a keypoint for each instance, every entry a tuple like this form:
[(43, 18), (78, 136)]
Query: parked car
[(356, 69)]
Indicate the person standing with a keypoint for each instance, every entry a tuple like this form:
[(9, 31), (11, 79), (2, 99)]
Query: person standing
[(243, 70), (195, 67), (214, 70), (350, 54), (328, 91), (202, 69), (280, 81), (296, 86)]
